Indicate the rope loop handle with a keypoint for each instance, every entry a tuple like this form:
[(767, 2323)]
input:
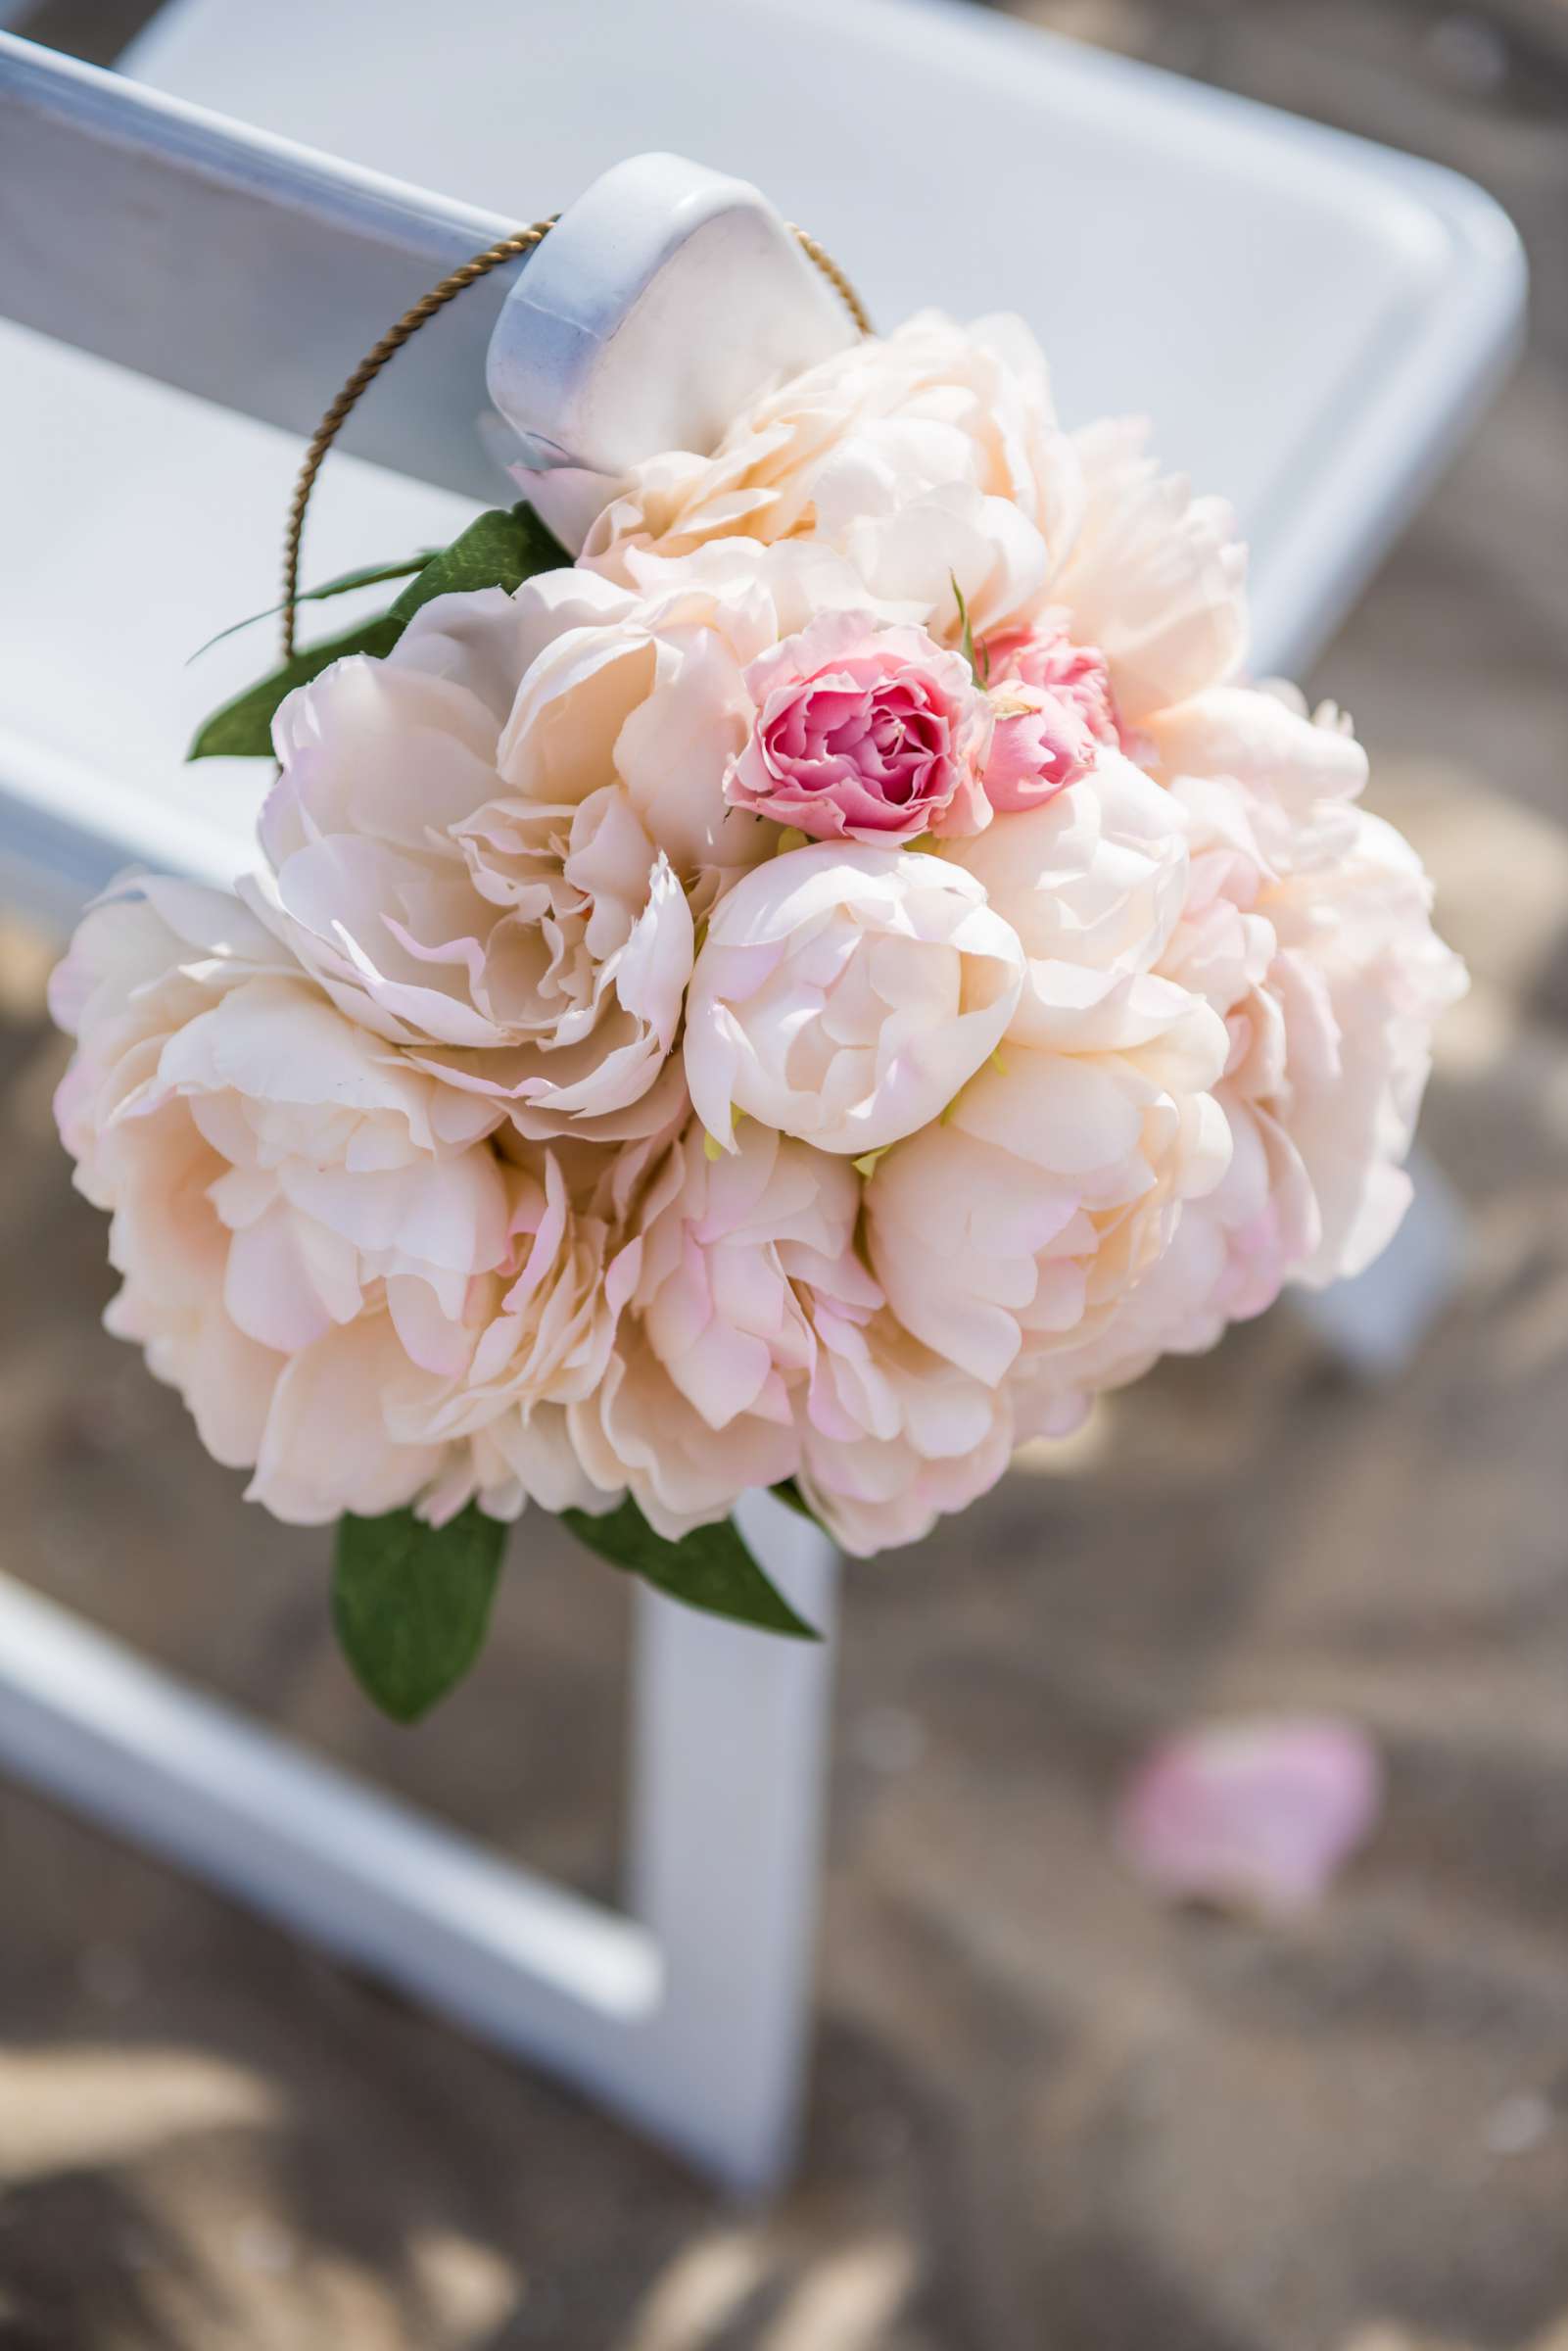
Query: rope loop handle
[(468, 274)]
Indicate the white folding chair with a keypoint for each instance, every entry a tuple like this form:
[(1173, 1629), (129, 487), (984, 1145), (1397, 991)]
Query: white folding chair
[(1313, 322)]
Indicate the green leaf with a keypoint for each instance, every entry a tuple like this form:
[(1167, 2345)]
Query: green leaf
[(243, 728), (500, 549), (710, 1568), (372, 576), (412, 1602)]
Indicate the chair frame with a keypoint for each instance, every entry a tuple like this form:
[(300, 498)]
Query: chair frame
[(689, 2012)]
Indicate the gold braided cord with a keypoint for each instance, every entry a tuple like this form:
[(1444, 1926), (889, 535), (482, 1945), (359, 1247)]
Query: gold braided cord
[(506, 249), (836, 277)]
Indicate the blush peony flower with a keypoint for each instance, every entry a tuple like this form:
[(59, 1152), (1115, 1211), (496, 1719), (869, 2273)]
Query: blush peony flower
[(844, 995), (863, 732), (1017, 1227), (756, 1346), (534, 1339), (298, 1217), (893, 1437), (1155, 578), (891, 421), (1095, 878), (1331, 989), (930, 458), (1305, 926), (1018, 1224), (1135, 567), (531, 947), (1051, 702), (699, 1399)]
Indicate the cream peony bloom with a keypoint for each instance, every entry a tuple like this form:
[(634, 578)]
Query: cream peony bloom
[(1154, 579), (453, 854), (1331, 1015), (699, 1399), (1306, 928), (844, 994), (927, 457), (1016, 1225), (888, 421), (313, 1234), (893, 1436), (756, 1346), (535, 1338)]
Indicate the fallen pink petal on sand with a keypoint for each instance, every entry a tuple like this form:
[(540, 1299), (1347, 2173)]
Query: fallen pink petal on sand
[(1251, 1815)]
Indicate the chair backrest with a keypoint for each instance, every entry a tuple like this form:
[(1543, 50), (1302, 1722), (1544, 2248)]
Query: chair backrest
[(1309, 319), (1313, 322)]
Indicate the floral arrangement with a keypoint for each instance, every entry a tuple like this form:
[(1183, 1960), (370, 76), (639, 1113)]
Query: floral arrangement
[(804, 996)]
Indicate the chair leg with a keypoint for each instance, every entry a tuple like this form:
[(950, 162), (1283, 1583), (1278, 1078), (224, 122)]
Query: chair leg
[(729, 1772)]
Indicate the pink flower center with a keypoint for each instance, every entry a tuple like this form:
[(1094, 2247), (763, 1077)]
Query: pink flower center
[(864, 732), (883, 735)]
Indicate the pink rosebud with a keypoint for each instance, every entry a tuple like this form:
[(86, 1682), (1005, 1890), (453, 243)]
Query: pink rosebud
[(1251, 1815), (1051, 701), (863, 732)]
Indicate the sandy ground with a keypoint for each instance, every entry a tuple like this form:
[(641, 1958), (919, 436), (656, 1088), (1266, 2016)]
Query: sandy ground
[(1044, 2115)]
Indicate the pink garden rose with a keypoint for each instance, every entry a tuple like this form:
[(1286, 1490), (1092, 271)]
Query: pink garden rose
[(1051, 702), (863, 733)]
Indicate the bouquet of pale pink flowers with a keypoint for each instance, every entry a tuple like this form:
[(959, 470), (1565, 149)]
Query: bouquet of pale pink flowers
[(803, 996)]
